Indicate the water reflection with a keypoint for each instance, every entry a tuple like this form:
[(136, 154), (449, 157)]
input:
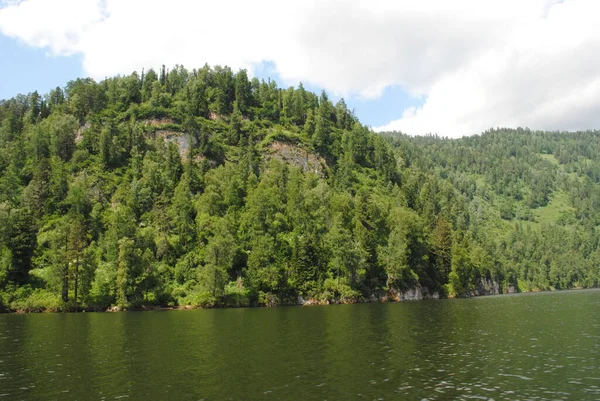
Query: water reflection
[(542, 347)]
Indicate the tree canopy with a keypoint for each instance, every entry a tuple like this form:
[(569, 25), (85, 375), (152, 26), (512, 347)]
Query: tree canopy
[(205, 187)]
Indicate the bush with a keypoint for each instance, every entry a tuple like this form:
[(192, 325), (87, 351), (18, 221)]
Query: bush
[(236, 294), (268, 299), (37, 300), (339, 290), (202, 299)]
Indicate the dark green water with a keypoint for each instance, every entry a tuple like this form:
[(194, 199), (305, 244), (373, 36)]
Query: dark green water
[(542, 346)]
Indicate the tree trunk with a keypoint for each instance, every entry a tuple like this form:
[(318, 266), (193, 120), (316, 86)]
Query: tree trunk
[(65, 288), (76, 278)]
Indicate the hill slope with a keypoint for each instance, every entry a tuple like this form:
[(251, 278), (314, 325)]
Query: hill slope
[(206, 188)]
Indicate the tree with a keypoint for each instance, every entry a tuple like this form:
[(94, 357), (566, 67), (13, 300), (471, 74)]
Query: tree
[(322, 134), (223, 93), (441, 246), (343, 117), (20, 239), (462, 272), (53, 252), (405, 256), (243, 93), (35, 102), (348, 258), (147, 84), (182, 212), (125, 268), (84, 96), (62, 129), (75, 254), (56, 98), (220, 254)]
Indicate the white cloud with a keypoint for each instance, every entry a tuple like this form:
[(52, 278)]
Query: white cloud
[(57, 24), (545, 76), (479, 64)]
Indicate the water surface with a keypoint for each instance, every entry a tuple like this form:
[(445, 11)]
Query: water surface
[(543, 346)]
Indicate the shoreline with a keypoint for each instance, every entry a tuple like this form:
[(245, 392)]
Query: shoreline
[(309, 303)]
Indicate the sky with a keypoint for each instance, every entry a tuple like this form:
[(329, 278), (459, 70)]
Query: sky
[(452, 68)]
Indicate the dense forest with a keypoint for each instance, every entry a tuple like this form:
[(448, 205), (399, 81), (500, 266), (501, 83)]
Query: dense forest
[(207, 188)]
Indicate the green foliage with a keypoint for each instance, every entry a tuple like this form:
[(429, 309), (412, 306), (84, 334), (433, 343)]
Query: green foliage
[(36, 300), (406, 252), (202, 187)]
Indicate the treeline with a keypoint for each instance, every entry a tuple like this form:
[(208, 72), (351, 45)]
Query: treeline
[(207, 188), (533, 210)]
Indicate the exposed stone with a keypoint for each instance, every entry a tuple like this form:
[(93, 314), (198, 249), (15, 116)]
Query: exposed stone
[(486, 287), (296, 156), (312, 302), (183, 140), (158, 121), (412, 294), (80, 131)]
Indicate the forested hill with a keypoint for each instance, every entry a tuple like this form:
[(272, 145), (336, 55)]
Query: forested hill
[(206, 188)]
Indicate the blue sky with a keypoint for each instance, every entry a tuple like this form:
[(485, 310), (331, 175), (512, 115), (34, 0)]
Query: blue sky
[(25, 69), (32, 69)]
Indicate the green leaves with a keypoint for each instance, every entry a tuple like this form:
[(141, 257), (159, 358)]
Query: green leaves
[(205, 187)]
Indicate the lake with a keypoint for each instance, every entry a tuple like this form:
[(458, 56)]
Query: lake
[(542, 346)]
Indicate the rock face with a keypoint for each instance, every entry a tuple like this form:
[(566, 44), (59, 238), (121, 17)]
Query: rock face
[(487, 287), (183, 140), (296, 156), (412, 294), (484, 287), (164, 128), (80, 131), (156, 122), (311, 302)]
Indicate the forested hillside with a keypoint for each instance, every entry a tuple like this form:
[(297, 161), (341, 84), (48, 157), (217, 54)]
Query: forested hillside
[(206, 188)]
